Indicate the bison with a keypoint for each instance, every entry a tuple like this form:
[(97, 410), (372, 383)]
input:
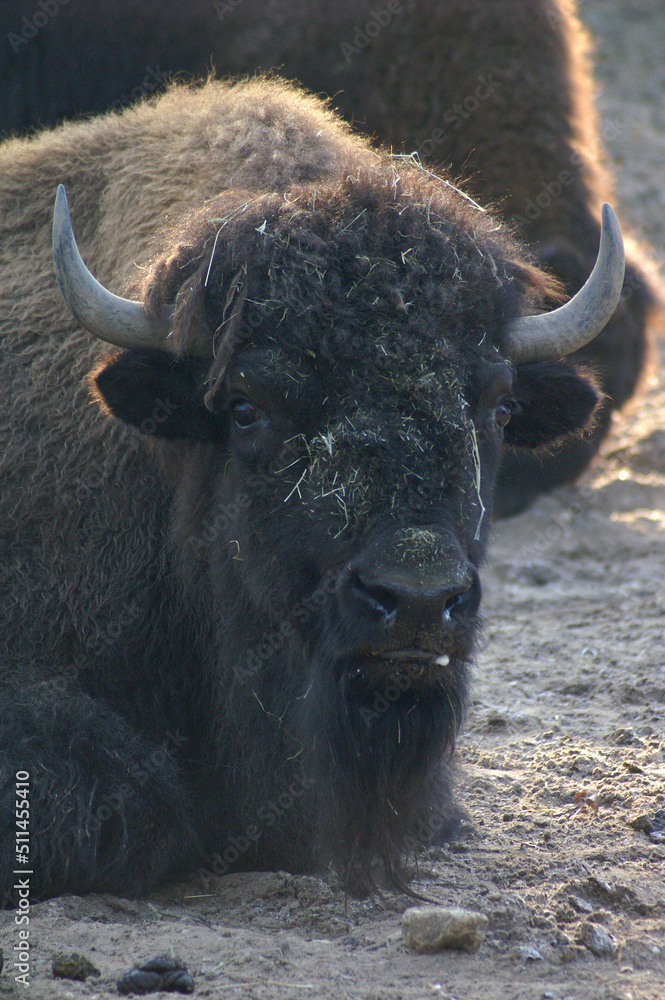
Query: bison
[(240, 586), (497, 91)]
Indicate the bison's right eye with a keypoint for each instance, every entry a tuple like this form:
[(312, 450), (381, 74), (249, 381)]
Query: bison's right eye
[(245, 414), (504, 410)]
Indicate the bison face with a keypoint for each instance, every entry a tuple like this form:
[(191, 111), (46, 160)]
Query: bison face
[(333, 452), (372, 487), (341, 370), (331, 522)]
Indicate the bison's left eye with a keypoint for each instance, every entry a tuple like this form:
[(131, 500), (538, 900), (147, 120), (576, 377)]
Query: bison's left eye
[(504, 410), (245, 414)]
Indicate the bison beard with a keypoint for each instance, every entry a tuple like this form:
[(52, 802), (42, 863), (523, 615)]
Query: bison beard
[(381, 758), (326, 415)]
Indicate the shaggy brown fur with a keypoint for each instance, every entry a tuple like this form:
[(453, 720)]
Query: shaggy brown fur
[(124, 177), (498, 92), (185, 614)]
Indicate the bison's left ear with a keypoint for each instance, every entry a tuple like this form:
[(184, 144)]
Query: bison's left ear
[(157, 393), (554, 399)]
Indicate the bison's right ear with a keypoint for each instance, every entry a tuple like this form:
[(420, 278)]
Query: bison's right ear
[(555, 399), (159, 394)]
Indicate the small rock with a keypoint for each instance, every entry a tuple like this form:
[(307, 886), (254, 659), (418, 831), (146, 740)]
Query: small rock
[(572, 952), (432, 928), (527, 953), (73, 966), (600, 887), (581, 905), (495, 720), (624, 738), (597, 940), (641, 823), (657, 831)]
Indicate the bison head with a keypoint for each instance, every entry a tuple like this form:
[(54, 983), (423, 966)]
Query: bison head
[(342, 368)]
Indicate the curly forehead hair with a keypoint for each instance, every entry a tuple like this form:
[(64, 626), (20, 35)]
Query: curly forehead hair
[(389, 253)]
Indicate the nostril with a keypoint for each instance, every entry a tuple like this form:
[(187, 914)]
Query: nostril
[(452, 603), (381, 601), (466, 599)]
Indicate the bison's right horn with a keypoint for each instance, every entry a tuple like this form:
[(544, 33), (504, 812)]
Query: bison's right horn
[(552, 335), (106, 316)]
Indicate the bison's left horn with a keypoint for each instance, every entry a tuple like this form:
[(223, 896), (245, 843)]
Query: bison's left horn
[(107, 316), (564, 330)]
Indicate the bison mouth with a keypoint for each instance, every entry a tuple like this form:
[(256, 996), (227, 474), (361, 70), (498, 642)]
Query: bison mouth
[(406, 669)]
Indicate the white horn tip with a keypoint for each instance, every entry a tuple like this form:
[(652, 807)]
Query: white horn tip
[(562, 331)]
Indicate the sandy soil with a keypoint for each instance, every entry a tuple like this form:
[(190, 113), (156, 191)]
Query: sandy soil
[(569, 704)]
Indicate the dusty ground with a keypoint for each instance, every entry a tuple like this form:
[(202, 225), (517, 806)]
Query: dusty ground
[(569, 699)]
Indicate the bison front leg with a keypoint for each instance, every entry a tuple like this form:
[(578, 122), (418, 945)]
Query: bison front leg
[(87, 804)]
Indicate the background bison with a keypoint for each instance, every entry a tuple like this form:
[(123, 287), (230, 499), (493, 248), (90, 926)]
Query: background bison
[(242, 635), (500, 93)]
